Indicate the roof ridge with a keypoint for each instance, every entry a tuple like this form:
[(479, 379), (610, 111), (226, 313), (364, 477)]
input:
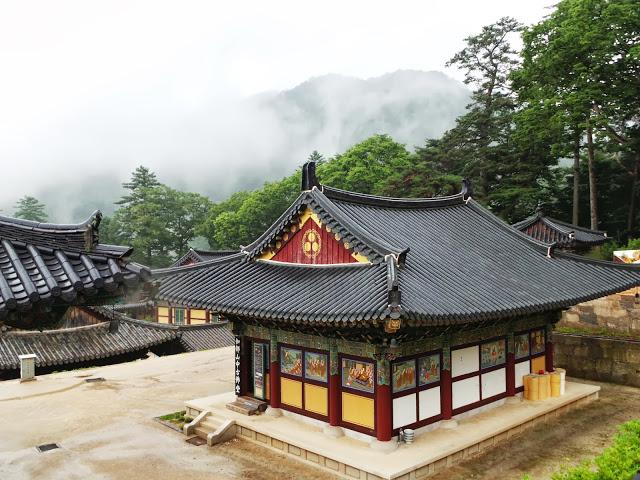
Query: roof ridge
[(158, 272), (576, 227), (393, 202), (92, 221)]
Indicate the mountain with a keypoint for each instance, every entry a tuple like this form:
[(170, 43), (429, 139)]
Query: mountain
[(228, 145)]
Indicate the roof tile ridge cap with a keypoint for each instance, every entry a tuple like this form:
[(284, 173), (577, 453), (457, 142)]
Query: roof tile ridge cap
[(355, 196), (371, 240), (59, 331), (316, 265), (531, 219), (578, 227), (551, 223), (93, 220), (508, 228), (250, 249), (158, 272), (146, 323), (603, 263)]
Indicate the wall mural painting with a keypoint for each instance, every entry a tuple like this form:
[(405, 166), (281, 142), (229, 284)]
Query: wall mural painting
[(404, 375), (315, 366), (358, 375), (291, 361), (537, 341), (493, 353), (429, 369), (522, 345)]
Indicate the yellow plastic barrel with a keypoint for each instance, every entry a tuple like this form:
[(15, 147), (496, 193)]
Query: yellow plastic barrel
[(544, 388), (555, 384), (532, 387)]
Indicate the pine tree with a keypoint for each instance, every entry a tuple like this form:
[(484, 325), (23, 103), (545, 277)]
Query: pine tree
[(29, 208)]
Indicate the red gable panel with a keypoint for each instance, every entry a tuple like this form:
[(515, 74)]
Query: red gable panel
[(313, 245)]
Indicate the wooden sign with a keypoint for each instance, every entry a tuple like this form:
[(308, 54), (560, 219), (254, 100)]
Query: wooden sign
[(237, 359), (258, 370)]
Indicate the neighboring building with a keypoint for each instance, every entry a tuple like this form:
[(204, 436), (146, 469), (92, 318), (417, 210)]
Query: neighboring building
[(45, 268), (565, 235), (107, 337), (373, 313), (186, 314)]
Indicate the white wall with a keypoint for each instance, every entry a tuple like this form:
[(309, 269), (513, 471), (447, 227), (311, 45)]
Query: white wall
[(429, 403), (522, 369), (494, 383), (466, 391), (404, 410), (465, 360)]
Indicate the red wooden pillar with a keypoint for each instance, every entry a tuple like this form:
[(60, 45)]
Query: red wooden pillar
[(511, 366), (274, 372), (511, 374), (383, 405), (446, 399), (548, 357), (334, 400)]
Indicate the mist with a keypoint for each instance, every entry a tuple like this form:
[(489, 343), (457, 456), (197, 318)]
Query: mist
[(215, 98)]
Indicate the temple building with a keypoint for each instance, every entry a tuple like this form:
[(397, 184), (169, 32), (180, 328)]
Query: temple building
[(564, 235), (370, 314), (186, 314), (45, 268)]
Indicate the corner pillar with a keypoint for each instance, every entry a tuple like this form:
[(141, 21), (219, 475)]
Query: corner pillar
[(548, 349), (274, 372), (383, 405)]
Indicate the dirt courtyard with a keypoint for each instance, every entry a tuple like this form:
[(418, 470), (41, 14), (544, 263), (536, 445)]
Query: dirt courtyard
[(106, 430)]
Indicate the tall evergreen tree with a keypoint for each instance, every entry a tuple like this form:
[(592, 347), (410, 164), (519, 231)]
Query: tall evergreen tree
[(29, 208)]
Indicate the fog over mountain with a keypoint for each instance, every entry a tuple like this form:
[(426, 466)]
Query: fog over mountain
[(257, 138)]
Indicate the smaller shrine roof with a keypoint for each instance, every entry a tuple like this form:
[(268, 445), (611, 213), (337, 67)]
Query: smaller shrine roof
[(195, 255), (564, 235)]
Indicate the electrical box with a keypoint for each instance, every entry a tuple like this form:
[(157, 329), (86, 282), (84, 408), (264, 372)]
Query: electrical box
[(27, 367)]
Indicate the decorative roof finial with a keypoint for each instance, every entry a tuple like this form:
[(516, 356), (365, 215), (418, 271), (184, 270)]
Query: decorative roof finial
[(540, 208), (467, 189), (309, 179)]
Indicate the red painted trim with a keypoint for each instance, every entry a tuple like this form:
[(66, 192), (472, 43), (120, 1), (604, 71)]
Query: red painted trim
[(511, 374), (170, 316), (274, 385), (330, 250), (335, 405), (383, 413), (188, 316), (207, 316)]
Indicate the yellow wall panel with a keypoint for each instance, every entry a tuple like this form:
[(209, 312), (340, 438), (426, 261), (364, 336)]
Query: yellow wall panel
[(198, 314), (163, 319), (197, 321), (164, 311), (358, 410), (316, 399), (537, 364), (291, 392)]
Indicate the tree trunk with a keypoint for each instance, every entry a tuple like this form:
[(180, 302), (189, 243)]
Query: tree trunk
[(576, 179), (593, 193), (631, 220)]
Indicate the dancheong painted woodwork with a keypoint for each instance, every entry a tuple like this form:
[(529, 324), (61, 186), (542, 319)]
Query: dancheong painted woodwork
[(376, 314)]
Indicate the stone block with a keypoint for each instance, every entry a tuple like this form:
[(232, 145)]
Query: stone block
[(331, 464), (440, 465), (471, 451), (246, 432), (313, 457), (293, 450), (501, 437), (277, 444), (352, 472), (371, 476), (455, 458), (425, 471), (488, 443), (262, 438)]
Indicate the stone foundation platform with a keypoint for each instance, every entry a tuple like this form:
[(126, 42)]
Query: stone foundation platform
[(431, 452)]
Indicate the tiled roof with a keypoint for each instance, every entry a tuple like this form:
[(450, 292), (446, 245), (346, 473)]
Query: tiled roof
[(196, 256), (565, 235), (436, 261), (116, 335), (42, 263), (81, 344)]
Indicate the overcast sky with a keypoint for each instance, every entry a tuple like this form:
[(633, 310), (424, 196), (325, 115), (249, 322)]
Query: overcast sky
[(91, 87)]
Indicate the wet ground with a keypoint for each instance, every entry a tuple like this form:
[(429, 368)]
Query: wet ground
[(107, 431)]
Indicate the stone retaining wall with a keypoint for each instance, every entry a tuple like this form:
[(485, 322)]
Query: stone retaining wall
[(620, 312), (596, 358)]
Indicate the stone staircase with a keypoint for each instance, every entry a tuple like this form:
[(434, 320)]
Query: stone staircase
[(212, 428)]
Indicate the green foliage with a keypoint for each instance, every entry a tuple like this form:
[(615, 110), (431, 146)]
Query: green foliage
[(29, 208), (156, 220), (619, 462)]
